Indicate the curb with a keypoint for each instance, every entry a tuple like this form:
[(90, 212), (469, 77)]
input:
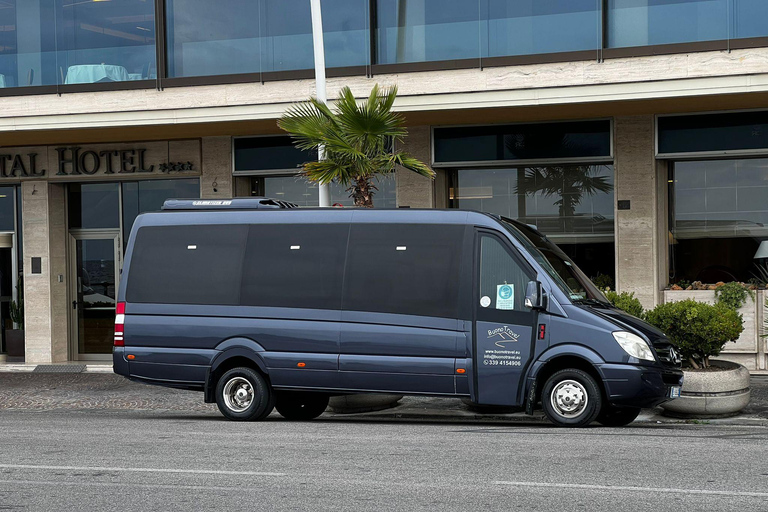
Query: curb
[(29, 368)]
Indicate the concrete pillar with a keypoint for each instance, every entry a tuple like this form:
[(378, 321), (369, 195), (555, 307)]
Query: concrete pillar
[(45, 293), (216, 180), (412, 189), (639, 251)]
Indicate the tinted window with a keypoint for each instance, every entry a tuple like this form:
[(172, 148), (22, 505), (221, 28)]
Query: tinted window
[(94, 205), (651, 22), (523, 142), (520, 27), (46, 42), (269, 154), (7, 208), (247, 36), (295, 266), (405, 269), (713, 132), (502, 280), (187, 265)]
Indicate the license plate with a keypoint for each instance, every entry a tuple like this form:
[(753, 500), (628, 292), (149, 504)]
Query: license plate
[(674, 392)]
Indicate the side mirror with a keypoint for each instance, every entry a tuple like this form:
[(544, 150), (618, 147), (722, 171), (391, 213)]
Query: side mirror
[(534, 296)]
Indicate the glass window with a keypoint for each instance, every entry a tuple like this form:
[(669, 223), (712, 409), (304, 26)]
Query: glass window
[(187, 264), (571, 204), (247, 36), (149, 196), (48, 42), (524, 27), (297, 189), (269, 154), (522, 142), (7, 208), (750, 18), (427, 30), (651, 22), (405, 269), (502, 279), (94, 205), (713, 132), (718, 217), (295, 265)]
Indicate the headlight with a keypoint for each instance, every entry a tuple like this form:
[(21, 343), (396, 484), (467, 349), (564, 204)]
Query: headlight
[(634, 345)]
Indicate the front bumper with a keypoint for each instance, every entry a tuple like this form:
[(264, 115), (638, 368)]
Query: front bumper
[(639, 386)]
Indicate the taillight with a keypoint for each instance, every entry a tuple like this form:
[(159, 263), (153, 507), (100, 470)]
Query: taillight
[(119, 323)]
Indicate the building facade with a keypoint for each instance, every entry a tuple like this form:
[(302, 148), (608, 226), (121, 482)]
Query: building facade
[(634, 133)]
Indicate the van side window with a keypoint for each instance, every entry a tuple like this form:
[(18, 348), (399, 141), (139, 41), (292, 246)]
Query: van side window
[(502, 279), (409, 269), (294, 265), (187, 264)]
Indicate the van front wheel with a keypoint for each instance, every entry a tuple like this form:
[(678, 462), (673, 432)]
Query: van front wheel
[(243, 394), (571, 398), (301, 406)]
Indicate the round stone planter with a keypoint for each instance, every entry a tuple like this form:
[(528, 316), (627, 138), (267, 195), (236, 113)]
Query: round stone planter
[(711, 394), (362, 403)]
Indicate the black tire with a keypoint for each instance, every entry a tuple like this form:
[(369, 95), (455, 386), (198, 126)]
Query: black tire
[(301, 406), (576, 396), (617, 416), (242, 394)]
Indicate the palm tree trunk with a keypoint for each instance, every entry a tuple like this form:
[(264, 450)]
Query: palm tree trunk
[(362, 192)]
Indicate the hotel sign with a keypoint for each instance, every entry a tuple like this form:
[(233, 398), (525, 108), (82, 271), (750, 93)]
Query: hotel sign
[(115, 161)]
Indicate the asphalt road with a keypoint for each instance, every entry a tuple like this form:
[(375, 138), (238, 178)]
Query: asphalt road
[(166, 460)]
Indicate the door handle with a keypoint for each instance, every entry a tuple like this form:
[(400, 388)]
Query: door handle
[(74, 304)]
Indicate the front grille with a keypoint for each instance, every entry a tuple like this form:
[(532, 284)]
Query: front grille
[(668, 354)]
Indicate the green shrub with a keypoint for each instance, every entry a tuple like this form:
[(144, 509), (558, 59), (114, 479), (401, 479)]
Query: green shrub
[(699, 330), (733, 295), (603, 281), (626, 302)]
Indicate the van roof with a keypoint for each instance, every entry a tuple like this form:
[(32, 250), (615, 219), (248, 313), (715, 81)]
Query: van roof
[(246, 203)]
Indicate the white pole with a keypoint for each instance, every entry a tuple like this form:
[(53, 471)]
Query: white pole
[(317, 40)]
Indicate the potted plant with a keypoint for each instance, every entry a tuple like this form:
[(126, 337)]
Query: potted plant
[(711, 388), (14, 338)]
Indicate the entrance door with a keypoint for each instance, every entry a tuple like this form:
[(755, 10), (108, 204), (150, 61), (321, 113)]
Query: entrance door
[(503, 324), (95, 257)]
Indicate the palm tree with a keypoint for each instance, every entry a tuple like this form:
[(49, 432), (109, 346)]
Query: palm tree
[(358, 141), (567, 183)]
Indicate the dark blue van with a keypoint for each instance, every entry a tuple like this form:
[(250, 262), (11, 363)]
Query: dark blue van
[(259, 305)]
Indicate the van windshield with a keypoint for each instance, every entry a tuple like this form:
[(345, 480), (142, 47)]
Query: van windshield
[(556, 264)]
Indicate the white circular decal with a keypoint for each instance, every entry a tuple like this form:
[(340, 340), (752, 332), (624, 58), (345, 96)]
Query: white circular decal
[(485, 301)]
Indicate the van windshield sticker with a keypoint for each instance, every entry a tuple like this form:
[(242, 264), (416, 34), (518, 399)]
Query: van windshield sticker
[(485, 301), (505, 296)]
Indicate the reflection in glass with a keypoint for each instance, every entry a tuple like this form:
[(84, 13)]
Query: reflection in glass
[(427, 30), (298, 190), (572, 205), (95, 265), (7, 208), (651, 22), (149, 196), (48, 42), (750, 18), (525, 27), (252, 36), (718, 215), (94, 205)]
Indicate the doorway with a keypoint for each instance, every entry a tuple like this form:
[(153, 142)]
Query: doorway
[(95, 274)]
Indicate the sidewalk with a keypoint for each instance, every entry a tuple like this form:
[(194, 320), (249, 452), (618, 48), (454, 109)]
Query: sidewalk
[(99, 389)]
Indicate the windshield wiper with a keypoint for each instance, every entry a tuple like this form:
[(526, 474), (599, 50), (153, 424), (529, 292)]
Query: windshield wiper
[(592, 302)]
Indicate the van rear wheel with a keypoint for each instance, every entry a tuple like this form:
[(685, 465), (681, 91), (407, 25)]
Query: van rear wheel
[(617, 416), (571, 398), (301, 406), (243, 394)]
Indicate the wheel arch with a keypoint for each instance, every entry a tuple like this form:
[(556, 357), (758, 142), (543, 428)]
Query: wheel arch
[(234, 352), (559, 358)]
